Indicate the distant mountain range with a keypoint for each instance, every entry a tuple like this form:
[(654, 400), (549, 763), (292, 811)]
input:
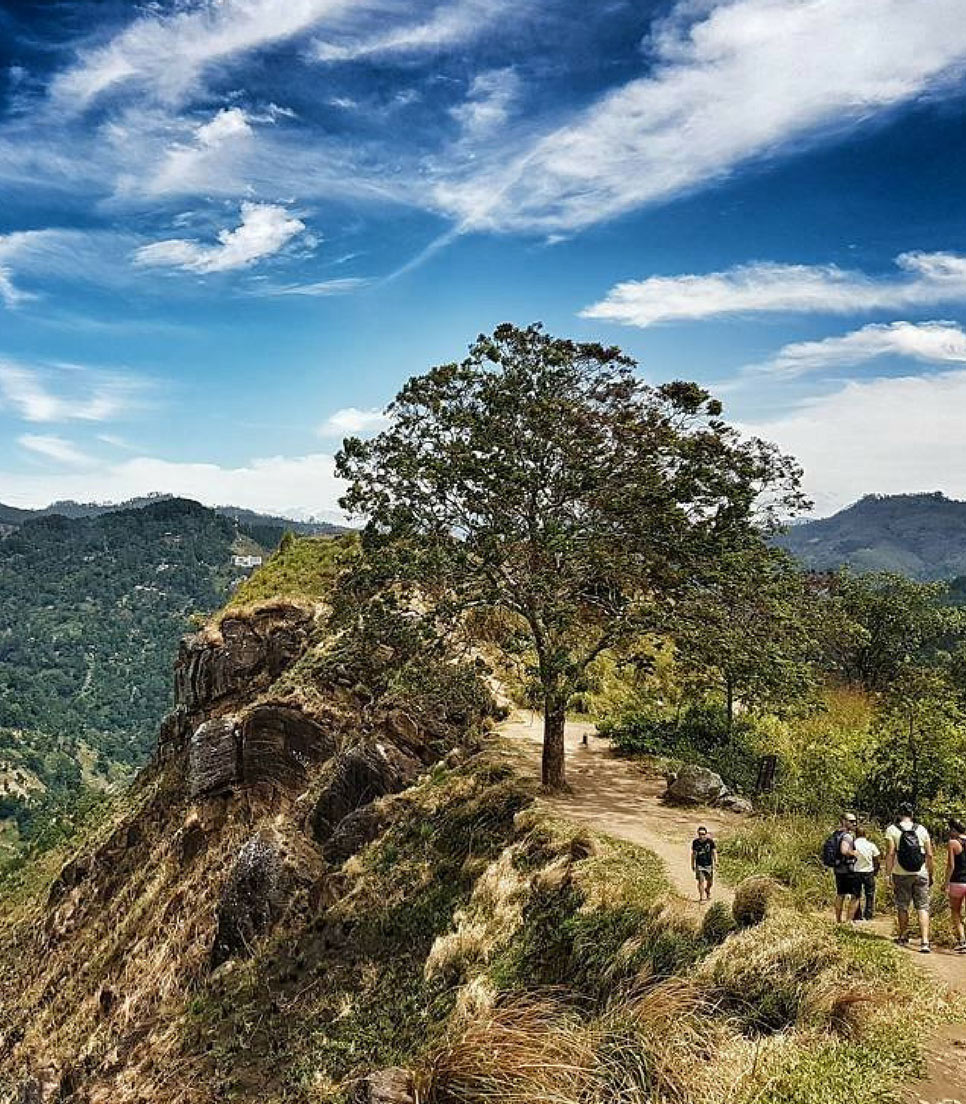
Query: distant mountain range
[(920, 535), (13, 516)]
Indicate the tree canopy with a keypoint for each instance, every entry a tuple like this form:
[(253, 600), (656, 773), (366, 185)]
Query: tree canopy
[(544, 478)]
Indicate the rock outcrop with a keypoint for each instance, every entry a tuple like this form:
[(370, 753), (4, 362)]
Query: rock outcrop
[(360, 775), (242, 655), (252, 900)]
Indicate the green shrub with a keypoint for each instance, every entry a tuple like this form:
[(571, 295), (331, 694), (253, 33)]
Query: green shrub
[(751, 901), (718, 924)]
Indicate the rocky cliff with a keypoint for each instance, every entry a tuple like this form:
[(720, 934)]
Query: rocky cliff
[(273, 769)]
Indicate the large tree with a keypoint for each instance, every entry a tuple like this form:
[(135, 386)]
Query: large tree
[(543, 479)]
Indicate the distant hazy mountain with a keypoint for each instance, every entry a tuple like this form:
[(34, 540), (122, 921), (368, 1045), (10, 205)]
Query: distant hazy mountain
[(11, 516), (920, 535)]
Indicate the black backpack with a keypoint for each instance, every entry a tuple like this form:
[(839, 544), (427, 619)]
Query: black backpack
[(832, 849), (909, 849)]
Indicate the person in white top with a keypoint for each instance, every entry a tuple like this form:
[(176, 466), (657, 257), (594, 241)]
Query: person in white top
[(865, 869), (909, 862)]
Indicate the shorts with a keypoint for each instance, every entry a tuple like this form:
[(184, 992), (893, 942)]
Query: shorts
[(911, 889), (847, 883), (956, 890), (704, 874)]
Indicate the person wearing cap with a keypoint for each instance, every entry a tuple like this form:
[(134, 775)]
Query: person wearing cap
[(847, 883), (909, 862)]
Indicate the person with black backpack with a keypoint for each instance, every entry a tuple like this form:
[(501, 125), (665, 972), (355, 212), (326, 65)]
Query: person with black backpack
[(839, 855), (909, 862)]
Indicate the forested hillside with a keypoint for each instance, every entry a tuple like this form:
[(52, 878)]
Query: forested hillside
[(920, 535), (91, 610)]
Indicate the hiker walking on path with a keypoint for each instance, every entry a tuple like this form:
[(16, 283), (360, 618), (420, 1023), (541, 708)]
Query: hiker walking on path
[(866, 870), (704, 862), (838, 852), (909, 863), (956, 880)]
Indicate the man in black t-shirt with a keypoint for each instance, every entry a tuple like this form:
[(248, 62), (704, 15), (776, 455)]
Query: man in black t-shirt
[(704, 860)]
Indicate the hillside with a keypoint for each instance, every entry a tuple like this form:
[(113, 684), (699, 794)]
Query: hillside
[(920, 535), (335, 884), (11, 516), (90, 610)]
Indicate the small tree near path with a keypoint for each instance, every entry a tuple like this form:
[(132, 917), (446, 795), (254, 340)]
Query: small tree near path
[(542, 479)]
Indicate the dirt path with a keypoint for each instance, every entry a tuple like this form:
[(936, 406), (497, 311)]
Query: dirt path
[(612, 795)]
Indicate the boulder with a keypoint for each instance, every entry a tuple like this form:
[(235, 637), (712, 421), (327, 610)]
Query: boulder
[(278, 743), (694, 785), (360, 775), (355, 831), (736, 804), (214, 757), (251, 901), (387, 1086)]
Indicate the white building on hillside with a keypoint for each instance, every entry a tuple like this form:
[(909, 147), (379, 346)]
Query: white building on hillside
[(246, 561)]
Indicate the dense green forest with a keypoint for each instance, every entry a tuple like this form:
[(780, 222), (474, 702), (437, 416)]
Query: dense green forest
[(91, 611)]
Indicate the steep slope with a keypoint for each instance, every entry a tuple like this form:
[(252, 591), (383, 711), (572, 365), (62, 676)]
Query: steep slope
[(90, 609), (920, 535), (332, 885)]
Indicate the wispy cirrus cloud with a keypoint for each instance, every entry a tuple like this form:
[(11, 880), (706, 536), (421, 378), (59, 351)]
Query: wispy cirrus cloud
[(66, 393), (265, 229), (728, 82), (448, 24), (56, 448), (928, 342), (925, 279), (318, 289), (168, 54)]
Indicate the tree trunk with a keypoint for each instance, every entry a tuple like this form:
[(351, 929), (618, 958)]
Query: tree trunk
[(730, 703), (554, 720)]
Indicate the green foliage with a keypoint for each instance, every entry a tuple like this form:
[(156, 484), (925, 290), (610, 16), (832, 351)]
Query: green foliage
[(302, 567), (698, 734), (898, 620)]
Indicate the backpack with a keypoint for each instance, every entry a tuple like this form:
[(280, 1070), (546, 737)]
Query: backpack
[(909, 849), (832, 849)]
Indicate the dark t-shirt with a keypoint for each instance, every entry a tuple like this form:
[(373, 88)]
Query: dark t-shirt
[(704, 850)]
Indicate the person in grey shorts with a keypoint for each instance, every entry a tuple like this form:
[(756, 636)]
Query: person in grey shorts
[(909, 862)]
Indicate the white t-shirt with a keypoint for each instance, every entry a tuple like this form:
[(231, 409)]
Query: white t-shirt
[(867, 852), (894, 833)]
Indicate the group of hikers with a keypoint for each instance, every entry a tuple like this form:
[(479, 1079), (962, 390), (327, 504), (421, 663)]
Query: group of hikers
[(909, 862), (856, 862)]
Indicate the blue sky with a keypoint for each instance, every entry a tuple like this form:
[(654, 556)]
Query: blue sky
[(230, 229)]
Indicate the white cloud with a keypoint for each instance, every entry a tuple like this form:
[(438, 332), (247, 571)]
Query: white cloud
[(320, 289), (449, 25), (488, 103), (265, 229), (930, 342), (66, 393), (229, 123), (351, 420), (168, 54), (294, 486), (55, 448), (11, 295), (927, 279), (729, 81), (99, 256), (880, 436)]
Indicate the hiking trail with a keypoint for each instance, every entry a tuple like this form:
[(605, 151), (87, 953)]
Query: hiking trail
[(616, 797)]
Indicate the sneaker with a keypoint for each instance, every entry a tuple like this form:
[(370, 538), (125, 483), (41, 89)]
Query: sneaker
[(961, 949), (925, 949), (901, 940)]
